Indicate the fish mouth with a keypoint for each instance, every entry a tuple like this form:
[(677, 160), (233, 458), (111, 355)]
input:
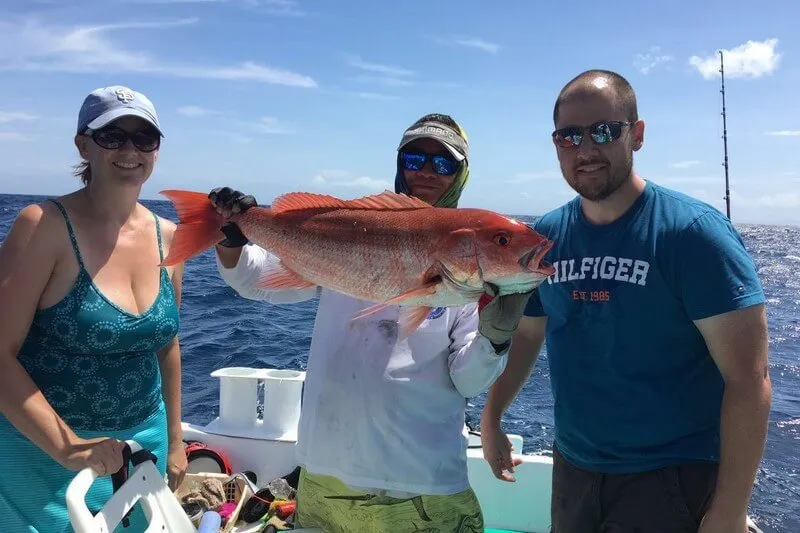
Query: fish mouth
[(533, 261)]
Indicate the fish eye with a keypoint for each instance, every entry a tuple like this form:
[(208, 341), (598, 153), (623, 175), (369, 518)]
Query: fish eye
[(502, 239)]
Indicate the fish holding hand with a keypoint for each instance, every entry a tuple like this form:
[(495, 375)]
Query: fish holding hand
[(389, 249)]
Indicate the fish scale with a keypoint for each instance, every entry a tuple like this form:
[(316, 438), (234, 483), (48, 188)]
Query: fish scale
[(389, 249), (387, 259)]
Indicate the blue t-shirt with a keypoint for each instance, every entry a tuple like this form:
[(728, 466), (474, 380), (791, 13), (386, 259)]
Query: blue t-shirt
[(634, 385)]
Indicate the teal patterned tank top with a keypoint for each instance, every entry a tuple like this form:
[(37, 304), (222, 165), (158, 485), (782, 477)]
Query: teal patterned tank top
[(97, 363)]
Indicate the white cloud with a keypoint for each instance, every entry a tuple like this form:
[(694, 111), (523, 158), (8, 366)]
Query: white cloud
[(388, 70), (10, 136), (685, 164), (13, 116), (374, 96), (278, 7), (270, 125), (33, 46), (236, 137), (263, 125), (786, 200), (646, 62), (479, 44), (469, 42), (693, 180), (784, 133), (752, 59), (384, 80), (193, 111), (275, 7), (332, 180), (174, 1)]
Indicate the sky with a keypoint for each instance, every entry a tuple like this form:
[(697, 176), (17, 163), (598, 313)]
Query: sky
[(275, 96)]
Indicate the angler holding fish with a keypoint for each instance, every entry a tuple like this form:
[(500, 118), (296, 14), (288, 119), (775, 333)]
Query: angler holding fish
[(399, 341)]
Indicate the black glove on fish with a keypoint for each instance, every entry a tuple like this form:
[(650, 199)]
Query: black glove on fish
[(229, 201), (499, 319)]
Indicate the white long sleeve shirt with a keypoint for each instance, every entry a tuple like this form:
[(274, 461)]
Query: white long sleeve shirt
[(378, 413)]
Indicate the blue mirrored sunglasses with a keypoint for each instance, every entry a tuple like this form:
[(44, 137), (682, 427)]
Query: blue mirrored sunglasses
[(441, 164)]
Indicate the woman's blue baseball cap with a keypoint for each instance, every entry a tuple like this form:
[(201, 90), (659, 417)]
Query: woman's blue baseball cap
[(106, 104)]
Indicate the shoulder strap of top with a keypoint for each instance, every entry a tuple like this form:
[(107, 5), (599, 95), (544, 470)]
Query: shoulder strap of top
[(70, 231), (158, 234)]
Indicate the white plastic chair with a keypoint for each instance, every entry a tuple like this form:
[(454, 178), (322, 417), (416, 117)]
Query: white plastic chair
[(144, 484)]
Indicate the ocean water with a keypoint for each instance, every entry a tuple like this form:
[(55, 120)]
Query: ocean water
[(219, 329)]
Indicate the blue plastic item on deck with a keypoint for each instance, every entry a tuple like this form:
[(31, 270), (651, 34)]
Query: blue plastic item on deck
[(210, 522)]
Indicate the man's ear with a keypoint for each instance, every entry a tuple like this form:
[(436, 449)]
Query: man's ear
[(637, 135)]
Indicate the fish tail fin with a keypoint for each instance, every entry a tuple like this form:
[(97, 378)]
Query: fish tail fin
[(198, 225)]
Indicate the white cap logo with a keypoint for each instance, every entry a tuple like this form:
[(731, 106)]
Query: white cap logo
[(124, 96)]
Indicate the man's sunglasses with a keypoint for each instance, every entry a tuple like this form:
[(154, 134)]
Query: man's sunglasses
[(441, 164), (602, 132), (114, 138)]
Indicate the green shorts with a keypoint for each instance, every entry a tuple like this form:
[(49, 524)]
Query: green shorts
[(324, 502)]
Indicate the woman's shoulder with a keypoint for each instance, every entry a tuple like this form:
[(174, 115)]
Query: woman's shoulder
[(166, 226), (39, 216), (38, 228)]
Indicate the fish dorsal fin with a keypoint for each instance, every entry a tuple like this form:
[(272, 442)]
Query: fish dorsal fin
[(386, 200)]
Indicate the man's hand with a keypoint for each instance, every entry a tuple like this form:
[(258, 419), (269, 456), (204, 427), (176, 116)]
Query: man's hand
[(720, 522), (228, 201), (499, 317), (497, 452)]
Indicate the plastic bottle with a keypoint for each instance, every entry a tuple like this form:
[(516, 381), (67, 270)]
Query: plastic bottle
[(210, 522)]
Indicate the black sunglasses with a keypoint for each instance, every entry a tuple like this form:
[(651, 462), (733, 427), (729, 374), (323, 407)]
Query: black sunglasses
[(114, 138), (603, 132)]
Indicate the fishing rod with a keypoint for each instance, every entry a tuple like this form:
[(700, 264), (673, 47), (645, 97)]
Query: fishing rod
[(727, 197)]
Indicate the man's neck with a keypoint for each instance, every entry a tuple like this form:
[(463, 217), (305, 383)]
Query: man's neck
[(610, 209)]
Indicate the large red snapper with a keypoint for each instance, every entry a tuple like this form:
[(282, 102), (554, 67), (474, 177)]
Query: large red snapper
[(389, 248)]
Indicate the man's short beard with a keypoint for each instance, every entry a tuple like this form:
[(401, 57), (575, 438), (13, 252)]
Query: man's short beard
[(600, 191)]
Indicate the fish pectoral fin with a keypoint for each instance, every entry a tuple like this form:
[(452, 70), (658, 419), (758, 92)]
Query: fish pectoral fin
[(426, 289), (282, 277), (409, 316), (410, 319), (369, 311)]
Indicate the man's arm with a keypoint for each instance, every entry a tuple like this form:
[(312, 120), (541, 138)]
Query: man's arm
[(525, 347), (738, 343), (241, 264), (481, 337), (473, 363), (722, 294), (228, 257), (252, 262)]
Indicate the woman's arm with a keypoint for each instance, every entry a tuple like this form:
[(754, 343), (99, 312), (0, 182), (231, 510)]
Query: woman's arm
[(169, 362), (28, 258)]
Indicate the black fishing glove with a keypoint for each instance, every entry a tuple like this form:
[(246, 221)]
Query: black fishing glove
[(229, 201), (498, 319)]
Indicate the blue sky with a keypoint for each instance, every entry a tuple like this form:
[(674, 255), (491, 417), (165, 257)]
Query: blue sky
[(272, 96)]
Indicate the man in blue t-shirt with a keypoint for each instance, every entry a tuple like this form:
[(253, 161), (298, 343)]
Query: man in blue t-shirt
[(656, 340)]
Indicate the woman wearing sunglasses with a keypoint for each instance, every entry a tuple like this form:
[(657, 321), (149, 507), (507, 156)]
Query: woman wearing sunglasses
[(89, 355), (381, 437)]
